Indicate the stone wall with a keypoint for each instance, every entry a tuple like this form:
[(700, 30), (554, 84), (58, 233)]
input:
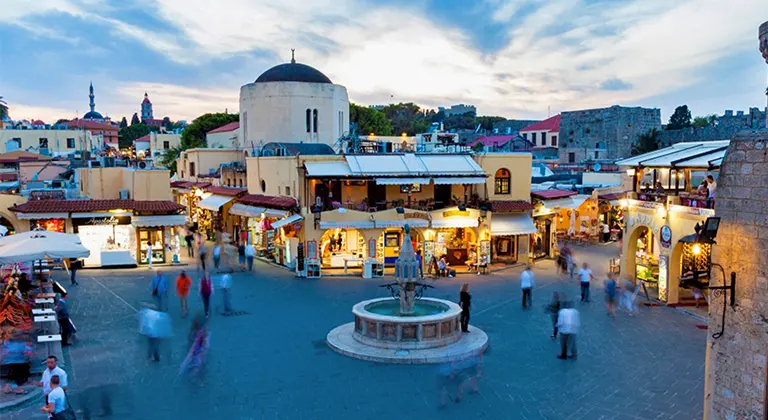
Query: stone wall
[(727, 126), (604, 134), (736, 362)]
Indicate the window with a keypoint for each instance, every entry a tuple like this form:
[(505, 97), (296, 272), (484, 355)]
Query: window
[(501, 181), (314, 118), (525, 135), (571, 157), (191, 168), (263, 186), (341, 123), (544, 138), (554, 141), (244, 122), (597, 154), (70, 143), (43, 142), (287, 190), (309, 120), (166, 145), (533, 138)]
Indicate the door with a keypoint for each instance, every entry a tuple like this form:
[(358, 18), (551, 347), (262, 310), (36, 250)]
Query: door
[(336, 192), (321, 192), (442, 196), (376, 194)]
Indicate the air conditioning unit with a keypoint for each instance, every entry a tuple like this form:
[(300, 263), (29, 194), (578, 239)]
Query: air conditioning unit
[(125, 194), (94, 164)]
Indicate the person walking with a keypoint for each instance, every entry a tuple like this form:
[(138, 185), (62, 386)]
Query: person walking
[(610, 295), (241, 255), (159, 289), (225, 283), (51, 370), (250, 253), (149, 254), (465, 302), (216, 254), (527, 282), (74, 265), (183, 285), (420, 259), (62, 316), (585, 276), (202, 252), (56, 401), (554, 308), (711, 188), (206, 291), (568, 327), (190, 239)]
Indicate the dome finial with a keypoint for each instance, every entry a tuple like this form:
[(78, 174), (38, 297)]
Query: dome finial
[(293, 58)]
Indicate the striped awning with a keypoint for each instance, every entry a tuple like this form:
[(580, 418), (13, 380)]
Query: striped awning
[(402, 181), (352, 224), (244, 210), (512, 224), (286, 221)]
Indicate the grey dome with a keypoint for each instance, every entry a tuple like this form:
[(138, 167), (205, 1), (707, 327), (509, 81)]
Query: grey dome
[(92, 115), (293, 72)]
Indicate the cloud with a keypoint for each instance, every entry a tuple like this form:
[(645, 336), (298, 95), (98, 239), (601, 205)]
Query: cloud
[(615, 84)]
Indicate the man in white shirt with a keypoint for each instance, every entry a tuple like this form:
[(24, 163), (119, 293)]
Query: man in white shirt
[(585, 275), (527, 282), (711, 188), (56, 401), (568, 326), (225, 283), (51, 370), (250, 253)]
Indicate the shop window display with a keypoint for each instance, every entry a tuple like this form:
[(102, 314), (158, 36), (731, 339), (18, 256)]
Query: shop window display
[(51, 225), (156, 238), (338, 245)]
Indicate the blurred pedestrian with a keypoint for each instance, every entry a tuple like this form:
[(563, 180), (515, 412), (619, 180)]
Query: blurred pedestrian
[(62, 316), (206, 291), (527, 282), (554, 308), (250, 253), (198, 350), (626, 299), (202, 252), (610, 294), (159, 289), (217, 253), (225, 283), (190, 239), (585, 276), (149, 254), (241, 255), (568, 327), (183, 285), (15, 356), (420, 259), (155, 325), (469, 370), (465, 302), (74, 265)]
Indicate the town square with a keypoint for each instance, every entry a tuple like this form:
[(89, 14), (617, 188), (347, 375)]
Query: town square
[(548, 223)]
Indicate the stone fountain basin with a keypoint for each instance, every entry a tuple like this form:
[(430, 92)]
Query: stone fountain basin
[(407, 332)]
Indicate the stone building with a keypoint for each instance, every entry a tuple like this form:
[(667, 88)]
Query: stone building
[(726, 126), (736, 361), (604, 134), (459, 109)]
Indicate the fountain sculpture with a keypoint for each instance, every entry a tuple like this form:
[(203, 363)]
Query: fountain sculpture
[(407, 327)]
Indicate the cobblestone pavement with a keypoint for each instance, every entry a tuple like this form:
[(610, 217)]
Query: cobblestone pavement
[(272, 362)]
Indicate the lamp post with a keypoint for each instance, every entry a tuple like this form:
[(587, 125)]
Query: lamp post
[(763, 38)]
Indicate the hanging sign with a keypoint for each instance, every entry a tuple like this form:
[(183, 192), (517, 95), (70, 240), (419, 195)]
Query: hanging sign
[(665, 236)]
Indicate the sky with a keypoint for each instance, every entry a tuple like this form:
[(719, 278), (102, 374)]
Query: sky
[(513, 58)]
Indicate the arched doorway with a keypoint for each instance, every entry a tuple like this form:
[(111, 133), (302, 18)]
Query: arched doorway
[(642, 259), (391, 239), (12, 145), (7, 227), (340, 244)]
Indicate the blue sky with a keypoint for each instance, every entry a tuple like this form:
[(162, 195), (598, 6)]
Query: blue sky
[(514, 58)]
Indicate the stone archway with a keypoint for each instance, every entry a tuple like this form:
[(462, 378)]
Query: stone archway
[(11, 223), (631, 255)]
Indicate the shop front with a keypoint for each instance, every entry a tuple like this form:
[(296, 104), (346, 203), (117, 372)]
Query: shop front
[(53, 222), (657, 249), (460, 236), (158, 233), (109, 236), (338, 237), (287, 233), (510, 234), (210, 212), (610, 213)]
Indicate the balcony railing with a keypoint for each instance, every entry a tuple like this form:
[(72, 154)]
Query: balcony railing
[(374, 206), (680, 198)]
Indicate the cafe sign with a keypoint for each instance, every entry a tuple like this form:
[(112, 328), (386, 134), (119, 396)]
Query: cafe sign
[(417, 215), (665, 236), (455, 213)]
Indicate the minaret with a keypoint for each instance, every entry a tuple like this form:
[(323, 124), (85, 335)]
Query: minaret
[(92, 96)]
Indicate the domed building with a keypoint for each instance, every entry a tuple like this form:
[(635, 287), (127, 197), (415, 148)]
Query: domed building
[(293, 103), (93, 115)]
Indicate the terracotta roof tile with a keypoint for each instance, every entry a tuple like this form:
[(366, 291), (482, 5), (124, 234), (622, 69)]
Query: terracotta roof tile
[(550, 124), (612, 196), (273, 202), (226, 128), (57, 206), (510, 206), (228, 191), (550, 194)]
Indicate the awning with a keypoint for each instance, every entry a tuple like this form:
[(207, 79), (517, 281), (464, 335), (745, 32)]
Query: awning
[(274, 213), (359, 224), (455, 222), (100, 214), (401, 181), (572, 202), (327, 169), (458, 181), (9, 185), (41, 216), (401, 223), (512, 224), (246, 210), (286, 221), (214, 202), (162, 220)]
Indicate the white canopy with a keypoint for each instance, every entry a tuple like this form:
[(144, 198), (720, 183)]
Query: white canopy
[(244, 210), (40, 245), (23, 236), (459, 180), (401, 181), (214, 202), (166, 220), (512, 224), (455, 222), (286, 221)]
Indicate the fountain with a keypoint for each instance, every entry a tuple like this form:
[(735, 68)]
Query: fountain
[(406, 327)]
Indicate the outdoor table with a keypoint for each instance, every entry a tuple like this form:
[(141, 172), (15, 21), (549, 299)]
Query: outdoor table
[(43, 312), (45, 318), (43, 301), (46, 295), (48, 338)]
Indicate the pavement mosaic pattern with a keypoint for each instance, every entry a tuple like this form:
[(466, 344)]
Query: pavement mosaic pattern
[(270, 360)]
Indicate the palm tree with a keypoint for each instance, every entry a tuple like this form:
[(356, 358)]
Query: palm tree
[(3, 111)]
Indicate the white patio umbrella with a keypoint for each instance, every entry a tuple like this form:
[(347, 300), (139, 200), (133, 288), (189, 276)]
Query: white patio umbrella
[(47, 235), (40, 246)]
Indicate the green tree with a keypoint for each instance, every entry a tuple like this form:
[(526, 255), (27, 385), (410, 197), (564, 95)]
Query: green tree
[(680, 119), (705, 121), (647, 142), (460, 122), (406, 118), (194, 136), (478, 147), (135, 119), (127, 135), (487, 121), (3, 110), (123, 123), (369, 120)]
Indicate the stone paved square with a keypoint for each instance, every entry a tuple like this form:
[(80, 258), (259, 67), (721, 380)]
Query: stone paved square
[(272, 362)]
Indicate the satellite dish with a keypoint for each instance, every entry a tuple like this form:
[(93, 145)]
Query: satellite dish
[(596, 167)]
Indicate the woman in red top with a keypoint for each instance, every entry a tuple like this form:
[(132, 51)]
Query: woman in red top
[(183, 284)]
